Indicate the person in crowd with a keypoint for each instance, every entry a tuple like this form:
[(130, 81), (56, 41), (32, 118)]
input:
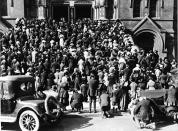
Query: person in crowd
[(104, 101), (76, 101), (63, 96), (56, 49), (92, 91), (133, 89), (116, 98), (164, 79), (151, 84), (171, 96), (84, 89)]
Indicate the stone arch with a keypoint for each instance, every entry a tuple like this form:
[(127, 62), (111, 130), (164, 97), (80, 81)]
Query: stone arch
[(150, 40)]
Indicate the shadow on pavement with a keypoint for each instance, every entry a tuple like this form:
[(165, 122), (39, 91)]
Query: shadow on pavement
[(69, 122), (162, 124), (10, 126), (118, 113)]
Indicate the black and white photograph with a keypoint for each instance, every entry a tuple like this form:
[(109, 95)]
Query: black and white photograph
[(88, 65)]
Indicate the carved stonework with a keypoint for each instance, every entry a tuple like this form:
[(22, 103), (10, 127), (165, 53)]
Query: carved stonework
[(97, 3), (115, 3), (162, 3), (102, 2), (147, 3), (131, 3)]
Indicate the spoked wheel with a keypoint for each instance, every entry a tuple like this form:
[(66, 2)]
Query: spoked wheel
[(29, 121)]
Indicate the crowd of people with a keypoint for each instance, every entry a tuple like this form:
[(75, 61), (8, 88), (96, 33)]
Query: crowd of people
[(97, 59)]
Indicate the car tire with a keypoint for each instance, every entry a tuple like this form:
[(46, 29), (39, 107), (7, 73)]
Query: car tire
[(29, 121), (57, 116)]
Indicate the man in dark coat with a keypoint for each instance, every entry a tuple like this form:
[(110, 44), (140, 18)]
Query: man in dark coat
[(92, 91), (76, 101), (84, 89), (164, 79), (44, 77)]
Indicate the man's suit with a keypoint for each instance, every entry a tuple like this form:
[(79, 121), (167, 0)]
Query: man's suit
[(92, 92), (93, 86)]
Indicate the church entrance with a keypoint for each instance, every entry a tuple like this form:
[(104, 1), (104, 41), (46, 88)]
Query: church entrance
[(60, 11), (83, 11), (145, 41)]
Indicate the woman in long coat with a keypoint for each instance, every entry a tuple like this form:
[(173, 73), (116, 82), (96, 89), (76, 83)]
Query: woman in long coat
[(63, 96)]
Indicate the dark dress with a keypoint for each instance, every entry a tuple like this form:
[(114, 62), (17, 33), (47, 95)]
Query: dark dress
[(63, 97)]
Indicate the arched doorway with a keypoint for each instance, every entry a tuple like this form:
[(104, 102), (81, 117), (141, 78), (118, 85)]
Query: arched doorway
[(81, 9), (150, 40), (145, 41), (60, 11)]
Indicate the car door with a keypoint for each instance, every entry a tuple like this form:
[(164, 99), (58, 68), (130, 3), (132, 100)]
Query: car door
[(7, 102)]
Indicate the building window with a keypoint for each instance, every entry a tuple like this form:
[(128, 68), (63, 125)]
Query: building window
[(137, 8), (153, 8), (3, 7), (12, 3)]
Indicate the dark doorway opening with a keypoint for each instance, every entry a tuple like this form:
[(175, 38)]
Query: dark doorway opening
[(82, 11), (145, 41), (110, 9), (60, 11)]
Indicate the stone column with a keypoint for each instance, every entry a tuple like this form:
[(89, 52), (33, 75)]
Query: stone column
[(97, 3), (41, 12), (97, 13), (94, 10), (102, 10), (115, 14), (71, 4), (102, 13)]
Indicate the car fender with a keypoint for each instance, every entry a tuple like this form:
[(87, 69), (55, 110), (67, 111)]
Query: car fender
[(28, 107)]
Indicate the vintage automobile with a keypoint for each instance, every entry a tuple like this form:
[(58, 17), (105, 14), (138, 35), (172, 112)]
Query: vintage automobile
[(159, 96), (164, 111), (20, 104)]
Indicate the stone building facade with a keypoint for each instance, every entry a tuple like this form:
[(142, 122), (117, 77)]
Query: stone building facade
[(153, 23)]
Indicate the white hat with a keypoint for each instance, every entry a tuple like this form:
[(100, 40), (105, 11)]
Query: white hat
[(52, 41), (43, 40)]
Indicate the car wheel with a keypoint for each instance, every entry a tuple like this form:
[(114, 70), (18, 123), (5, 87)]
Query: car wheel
[(52, 108), (29, 121)]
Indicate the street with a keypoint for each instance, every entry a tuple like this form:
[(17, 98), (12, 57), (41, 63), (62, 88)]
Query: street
[(85, 121)]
